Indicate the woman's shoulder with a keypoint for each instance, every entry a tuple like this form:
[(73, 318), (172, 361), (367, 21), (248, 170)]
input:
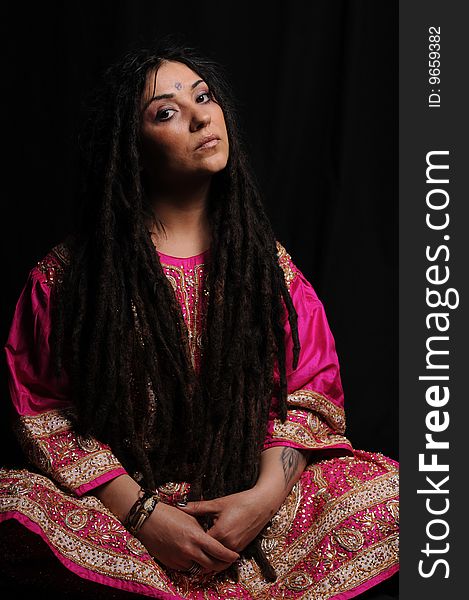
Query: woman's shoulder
[(49, 270), (296, 282), (290, 270)]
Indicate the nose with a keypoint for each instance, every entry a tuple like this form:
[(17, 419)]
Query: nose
[(200, 118)]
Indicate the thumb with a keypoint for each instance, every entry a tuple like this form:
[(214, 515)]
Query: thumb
[(200, 507)]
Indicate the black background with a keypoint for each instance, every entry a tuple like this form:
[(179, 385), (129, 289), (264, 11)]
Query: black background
[(316, 84)]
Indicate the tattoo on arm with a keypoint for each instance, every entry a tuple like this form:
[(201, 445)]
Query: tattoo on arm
[(290, 458)]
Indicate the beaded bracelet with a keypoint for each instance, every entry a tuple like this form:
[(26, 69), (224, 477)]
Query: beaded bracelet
[(141, 510)]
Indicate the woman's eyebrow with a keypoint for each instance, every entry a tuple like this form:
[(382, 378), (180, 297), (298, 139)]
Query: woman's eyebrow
[(164, 96)]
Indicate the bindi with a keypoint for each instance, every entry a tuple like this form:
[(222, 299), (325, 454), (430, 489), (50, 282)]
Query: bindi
[(178, 85)]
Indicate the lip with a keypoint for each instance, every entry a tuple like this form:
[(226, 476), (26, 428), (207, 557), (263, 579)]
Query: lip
[(209, 141)]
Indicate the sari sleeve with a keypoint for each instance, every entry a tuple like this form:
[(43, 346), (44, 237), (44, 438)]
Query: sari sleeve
[(43, 415), (315, 400)]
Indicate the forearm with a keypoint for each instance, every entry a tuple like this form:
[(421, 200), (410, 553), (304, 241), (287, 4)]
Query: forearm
[(118, 495), (280, 469)]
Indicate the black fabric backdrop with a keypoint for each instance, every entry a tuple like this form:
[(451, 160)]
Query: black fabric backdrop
[(316, 84)]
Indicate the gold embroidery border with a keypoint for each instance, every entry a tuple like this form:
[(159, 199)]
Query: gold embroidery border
[(333, 414), (47, 423), (356, 571), (376, 491), (76, 548), (384, 554), (291, 431), (34, 431), (130, 568), (87, 469), (286, 263)]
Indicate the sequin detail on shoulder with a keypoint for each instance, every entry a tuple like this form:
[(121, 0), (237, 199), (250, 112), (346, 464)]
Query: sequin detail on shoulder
[(285, 261), (53, 264)]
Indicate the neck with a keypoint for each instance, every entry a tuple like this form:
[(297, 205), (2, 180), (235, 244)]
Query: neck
[(183, 213)]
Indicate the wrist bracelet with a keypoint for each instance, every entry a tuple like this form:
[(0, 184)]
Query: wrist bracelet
[(141, 510)]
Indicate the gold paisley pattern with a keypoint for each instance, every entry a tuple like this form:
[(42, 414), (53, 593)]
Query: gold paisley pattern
[(298, 581), (88, 444), (135, 546), (350, 539)]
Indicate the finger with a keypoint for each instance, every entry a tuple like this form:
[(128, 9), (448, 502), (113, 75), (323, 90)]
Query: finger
[(201, 507), (215, 533), (217, 550), (209, 564), (230, 541)]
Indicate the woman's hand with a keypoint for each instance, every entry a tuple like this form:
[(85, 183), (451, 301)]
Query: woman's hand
[(238, 518), (177, 540)]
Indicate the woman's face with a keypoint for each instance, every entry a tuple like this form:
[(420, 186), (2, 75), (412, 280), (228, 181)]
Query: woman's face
[(178, 118)]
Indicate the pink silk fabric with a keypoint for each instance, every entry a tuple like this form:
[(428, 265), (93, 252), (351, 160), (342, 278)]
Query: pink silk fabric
[(336, 534)]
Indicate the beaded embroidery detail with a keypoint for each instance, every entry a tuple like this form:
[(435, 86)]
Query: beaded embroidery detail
[(285, 261), (190, 290), (52, 265), (52, 445)]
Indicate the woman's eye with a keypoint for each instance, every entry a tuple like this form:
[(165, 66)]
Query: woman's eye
[(203, 95), (163, 115)]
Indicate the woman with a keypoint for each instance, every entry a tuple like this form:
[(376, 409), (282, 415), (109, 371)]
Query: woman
[(175, 381)]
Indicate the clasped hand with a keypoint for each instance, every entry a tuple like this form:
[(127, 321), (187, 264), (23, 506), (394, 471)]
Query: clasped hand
[(177, 539), (237, 518)]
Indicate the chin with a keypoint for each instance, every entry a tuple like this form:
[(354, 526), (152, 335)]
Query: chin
[(217, 163)]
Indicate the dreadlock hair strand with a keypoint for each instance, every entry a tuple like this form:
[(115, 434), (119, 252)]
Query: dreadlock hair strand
[(118, 328)]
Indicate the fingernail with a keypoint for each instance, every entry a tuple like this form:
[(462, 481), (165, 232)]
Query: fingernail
[(181, 503)]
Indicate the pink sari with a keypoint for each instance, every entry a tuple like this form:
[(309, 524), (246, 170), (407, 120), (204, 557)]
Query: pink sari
[(336, 534)]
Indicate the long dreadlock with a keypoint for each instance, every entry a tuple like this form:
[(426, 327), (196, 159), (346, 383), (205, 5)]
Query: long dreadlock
[(118, 328)]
